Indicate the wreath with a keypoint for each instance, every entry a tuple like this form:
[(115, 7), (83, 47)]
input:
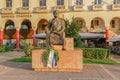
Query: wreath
[(47, 53)]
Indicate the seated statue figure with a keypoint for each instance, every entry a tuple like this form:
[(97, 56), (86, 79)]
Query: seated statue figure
[(55, 32)]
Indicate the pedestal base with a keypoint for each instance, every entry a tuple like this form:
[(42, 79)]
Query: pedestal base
[(69, 60)]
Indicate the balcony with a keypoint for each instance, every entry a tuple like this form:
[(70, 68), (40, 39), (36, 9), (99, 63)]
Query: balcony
[(7, 10), (41, 9), (116, 7), (79, 7), (98, 7), (23, 10), (60, 8)]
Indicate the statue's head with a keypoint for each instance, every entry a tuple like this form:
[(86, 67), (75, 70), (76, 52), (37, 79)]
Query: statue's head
[(55, 13)]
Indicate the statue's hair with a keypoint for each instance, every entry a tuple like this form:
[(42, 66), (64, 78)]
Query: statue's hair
[(55, 11)]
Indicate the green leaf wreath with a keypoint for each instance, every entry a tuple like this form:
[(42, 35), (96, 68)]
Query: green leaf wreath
[(46, 56)]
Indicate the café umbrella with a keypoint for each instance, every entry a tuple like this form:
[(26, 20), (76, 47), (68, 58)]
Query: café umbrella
[(83, 35), (91, 35), (40, 36), (114, 39)]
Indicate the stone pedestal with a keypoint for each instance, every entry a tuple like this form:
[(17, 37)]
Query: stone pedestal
[(69, 45), (69, 60)]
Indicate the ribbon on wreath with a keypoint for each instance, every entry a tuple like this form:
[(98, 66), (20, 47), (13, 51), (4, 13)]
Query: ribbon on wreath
[(52, 62)]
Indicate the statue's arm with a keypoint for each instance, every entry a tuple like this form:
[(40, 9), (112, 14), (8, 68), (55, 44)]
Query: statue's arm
[(63, 27)]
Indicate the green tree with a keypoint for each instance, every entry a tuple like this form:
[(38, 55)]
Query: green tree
[(72, 30), (27, 48)]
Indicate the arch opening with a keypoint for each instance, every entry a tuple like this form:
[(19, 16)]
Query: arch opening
[(26, 29), (9, 32), (115, 24), (98, 25), (82, 22), (41, 26)]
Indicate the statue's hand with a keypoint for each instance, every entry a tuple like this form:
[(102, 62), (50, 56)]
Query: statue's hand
[(56, 32)]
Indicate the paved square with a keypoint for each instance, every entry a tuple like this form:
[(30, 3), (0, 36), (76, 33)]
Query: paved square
[(23, 71)]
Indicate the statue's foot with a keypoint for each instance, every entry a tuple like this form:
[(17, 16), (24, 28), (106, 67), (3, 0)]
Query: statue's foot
[(63, 49)]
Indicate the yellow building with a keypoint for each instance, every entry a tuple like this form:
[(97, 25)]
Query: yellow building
[(20, 19)]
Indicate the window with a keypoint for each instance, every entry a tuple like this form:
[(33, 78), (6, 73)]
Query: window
[(42, 2), (60, 2), (98, 1), (8, 3), (25, 3), (113, 23), (95, 23), (78, 2), (80, 22), (116, 1)]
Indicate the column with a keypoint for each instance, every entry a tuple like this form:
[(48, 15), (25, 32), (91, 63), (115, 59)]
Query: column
[(86, 41), (66, 3), (1, 37), (107, 36), (88, 30), (34, 39), (17, 39)]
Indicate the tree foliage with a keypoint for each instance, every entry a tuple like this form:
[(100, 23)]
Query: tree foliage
[(72, 30), (27, 47)]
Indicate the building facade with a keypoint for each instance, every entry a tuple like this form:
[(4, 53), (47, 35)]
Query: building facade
[(20, 19)]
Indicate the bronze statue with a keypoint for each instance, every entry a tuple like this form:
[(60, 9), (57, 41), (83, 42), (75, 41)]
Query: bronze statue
[(55, 32)]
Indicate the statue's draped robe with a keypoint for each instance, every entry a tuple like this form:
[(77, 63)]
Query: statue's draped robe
[(56, 34)]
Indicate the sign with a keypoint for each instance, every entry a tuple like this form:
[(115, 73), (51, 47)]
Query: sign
[(7, 16), (23, 15), (17, 15)]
